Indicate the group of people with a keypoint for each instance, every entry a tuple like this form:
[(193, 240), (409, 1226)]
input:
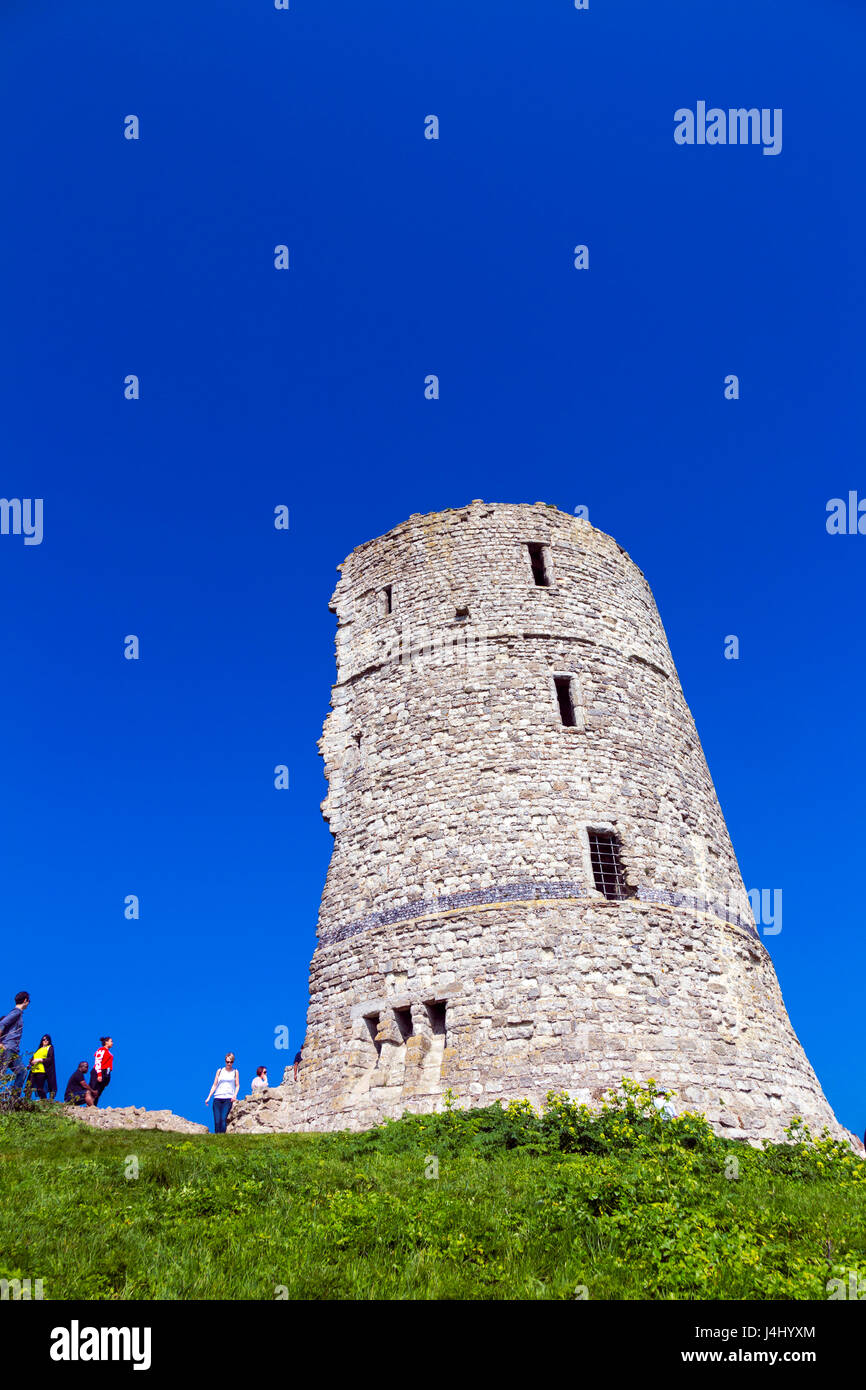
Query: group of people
[(226, 1085), (40, 1076)]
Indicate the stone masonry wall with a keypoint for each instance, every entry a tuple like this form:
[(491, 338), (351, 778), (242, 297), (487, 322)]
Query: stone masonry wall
[(462, 940)]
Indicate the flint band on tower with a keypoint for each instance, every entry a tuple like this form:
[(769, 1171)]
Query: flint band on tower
[(532, 887)]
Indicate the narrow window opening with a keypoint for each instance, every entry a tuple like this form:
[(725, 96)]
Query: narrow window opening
[(538, 560), (358, 741), (461, 614), (436, 1014), (372, 1022), (607, 870), (387, 599), (566, 700), (404, 1022)]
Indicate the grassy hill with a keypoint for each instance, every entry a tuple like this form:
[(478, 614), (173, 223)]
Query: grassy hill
[(617, 1204)]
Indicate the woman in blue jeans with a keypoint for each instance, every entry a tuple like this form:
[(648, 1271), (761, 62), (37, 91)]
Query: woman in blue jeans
[(224, 1090)]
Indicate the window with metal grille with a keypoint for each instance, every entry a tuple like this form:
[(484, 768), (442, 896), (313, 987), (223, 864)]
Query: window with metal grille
[(607, 870), (566, 700), (538, 560)]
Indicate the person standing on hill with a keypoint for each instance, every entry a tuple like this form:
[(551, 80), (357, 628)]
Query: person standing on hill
[(224, 1090), (11, 1028), (43, 1074), (103, 1063)]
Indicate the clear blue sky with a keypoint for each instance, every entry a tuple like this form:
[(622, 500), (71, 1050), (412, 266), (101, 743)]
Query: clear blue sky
[(408, 257)]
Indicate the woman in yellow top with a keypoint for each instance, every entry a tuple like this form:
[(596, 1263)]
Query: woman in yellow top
[(43, 1076)]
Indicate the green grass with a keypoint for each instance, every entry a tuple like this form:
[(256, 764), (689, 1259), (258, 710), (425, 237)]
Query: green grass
[(621, 1204)]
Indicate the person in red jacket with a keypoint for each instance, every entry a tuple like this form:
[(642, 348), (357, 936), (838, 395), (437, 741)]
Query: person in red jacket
[(100, 1074)]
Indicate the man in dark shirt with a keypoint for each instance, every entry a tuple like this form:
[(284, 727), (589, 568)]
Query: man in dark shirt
[(297, 1062), (11, 1028), (77, 1090)]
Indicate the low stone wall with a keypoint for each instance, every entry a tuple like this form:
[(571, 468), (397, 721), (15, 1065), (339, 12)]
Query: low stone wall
[(133, 1117)]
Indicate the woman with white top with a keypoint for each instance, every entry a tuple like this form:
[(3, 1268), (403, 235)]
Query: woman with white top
[(260, 1080), (224, 1090)]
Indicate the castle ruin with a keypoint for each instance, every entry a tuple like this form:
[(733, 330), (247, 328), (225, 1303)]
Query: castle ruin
[(532, 887)]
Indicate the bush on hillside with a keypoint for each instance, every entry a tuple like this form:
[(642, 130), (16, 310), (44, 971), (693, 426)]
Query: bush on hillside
[(625, 1119), (11, 1099)]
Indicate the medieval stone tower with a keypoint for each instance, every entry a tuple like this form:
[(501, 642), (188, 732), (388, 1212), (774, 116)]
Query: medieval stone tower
[(532, 886)]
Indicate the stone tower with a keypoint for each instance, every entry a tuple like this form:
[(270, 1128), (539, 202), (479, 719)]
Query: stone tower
[(532, 886)]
